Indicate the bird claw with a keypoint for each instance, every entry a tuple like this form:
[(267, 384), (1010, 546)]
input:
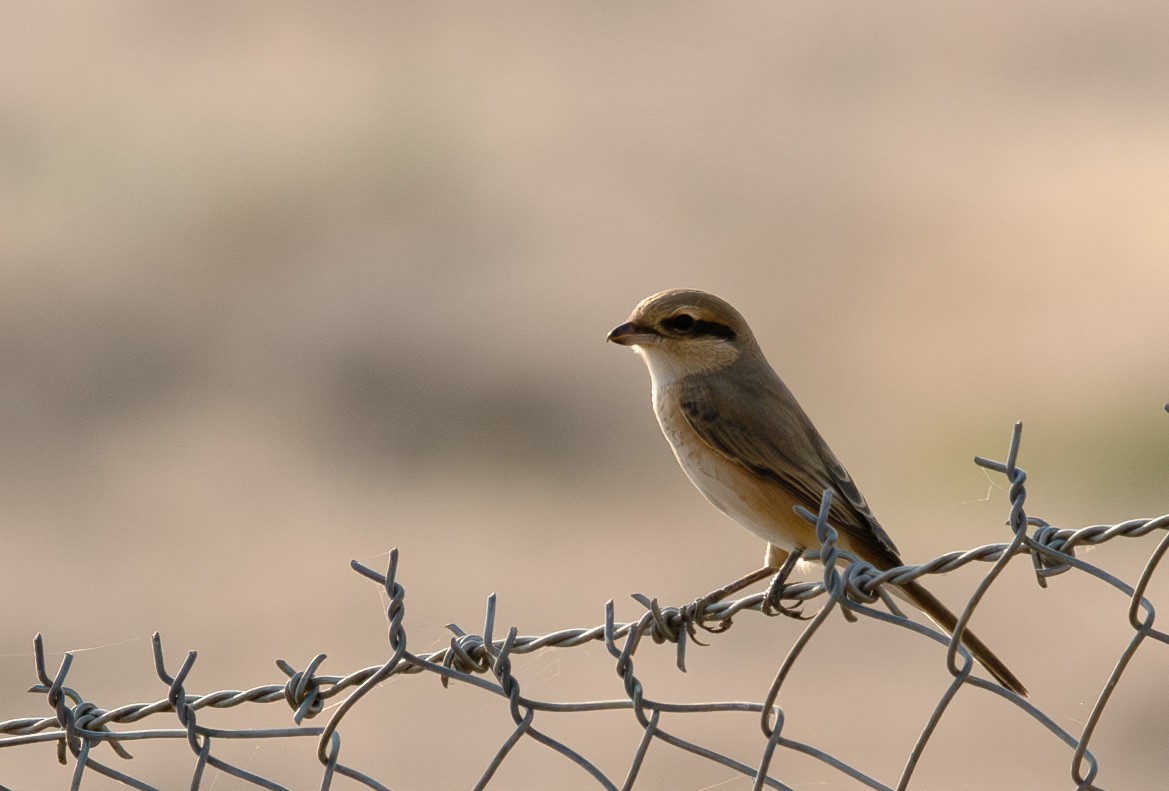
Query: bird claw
[(773, 605), (773, 599), (693, 614)]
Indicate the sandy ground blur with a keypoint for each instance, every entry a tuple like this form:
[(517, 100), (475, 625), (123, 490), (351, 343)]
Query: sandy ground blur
[(281, 287)]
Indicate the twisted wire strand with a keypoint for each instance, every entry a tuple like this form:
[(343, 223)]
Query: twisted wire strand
[(481, 660)]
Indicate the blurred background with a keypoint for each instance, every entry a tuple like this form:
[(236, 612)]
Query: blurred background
[(283, 286)]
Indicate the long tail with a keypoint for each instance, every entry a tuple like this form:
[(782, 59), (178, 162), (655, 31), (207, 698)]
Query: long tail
[(941, 615)]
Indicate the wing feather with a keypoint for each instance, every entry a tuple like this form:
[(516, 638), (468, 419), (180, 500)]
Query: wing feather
[(775, 440)]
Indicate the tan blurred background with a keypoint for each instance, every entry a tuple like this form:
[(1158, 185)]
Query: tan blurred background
[(282, 287)]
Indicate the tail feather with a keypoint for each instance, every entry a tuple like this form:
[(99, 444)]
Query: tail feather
[(943, 617)]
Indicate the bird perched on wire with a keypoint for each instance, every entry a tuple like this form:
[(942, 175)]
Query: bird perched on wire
[(743, 440)]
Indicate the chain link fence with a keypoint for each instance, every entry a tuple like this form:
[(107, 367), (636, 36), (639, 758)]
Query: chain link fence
[(79, 728)]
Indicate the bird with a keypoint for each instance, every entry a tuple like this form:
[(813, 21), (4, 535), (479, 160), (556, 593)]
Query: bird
[(748, 446)]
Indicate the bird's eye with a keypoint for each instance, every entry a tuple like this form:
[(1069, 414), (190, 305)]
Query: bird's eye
[(683, 322)]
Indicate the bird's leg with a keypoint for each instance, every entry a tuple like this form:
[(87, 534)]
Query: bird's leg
[(699, 605), (738, 585), (772, 600), (775, 558)]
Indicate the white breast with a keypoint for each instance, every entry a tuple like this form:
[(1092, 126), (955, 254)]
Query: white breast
[(757, 505)]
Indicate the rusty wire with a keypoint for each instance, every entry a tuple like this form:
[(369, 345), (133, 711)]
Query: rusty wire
[(482, 660)]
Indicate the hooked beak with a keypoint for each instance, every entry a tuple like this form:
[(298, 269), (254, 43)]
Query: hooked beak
[(630, 334)]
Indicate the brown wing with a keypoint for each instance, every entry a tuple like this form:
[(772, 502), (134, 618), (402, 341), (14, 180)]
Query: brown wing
[(776, 441)]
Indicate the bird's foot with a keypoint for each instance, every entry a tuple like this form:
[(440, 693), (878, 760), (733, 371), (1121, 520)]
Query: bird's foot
[(773, 605), (773, 598), (695, 615)]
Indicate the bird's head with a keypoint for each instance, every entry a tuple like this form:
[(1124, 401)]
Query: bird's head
[(684, 331)]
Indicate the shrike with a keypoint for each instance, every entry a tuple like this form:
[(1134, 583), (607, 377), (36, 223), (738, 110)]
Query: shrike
[(744, 441)]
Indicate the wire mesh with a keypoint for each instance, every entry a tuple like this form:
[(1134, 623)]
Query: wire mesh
[(79, 727)]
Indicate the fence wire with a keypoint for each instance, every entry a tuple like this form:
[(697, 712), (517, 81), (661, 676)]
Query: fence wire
[(480, 660)]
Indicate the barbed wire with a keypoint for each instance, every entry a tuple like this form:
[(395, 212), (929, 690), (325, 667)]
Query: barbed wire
[(483, 661)]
